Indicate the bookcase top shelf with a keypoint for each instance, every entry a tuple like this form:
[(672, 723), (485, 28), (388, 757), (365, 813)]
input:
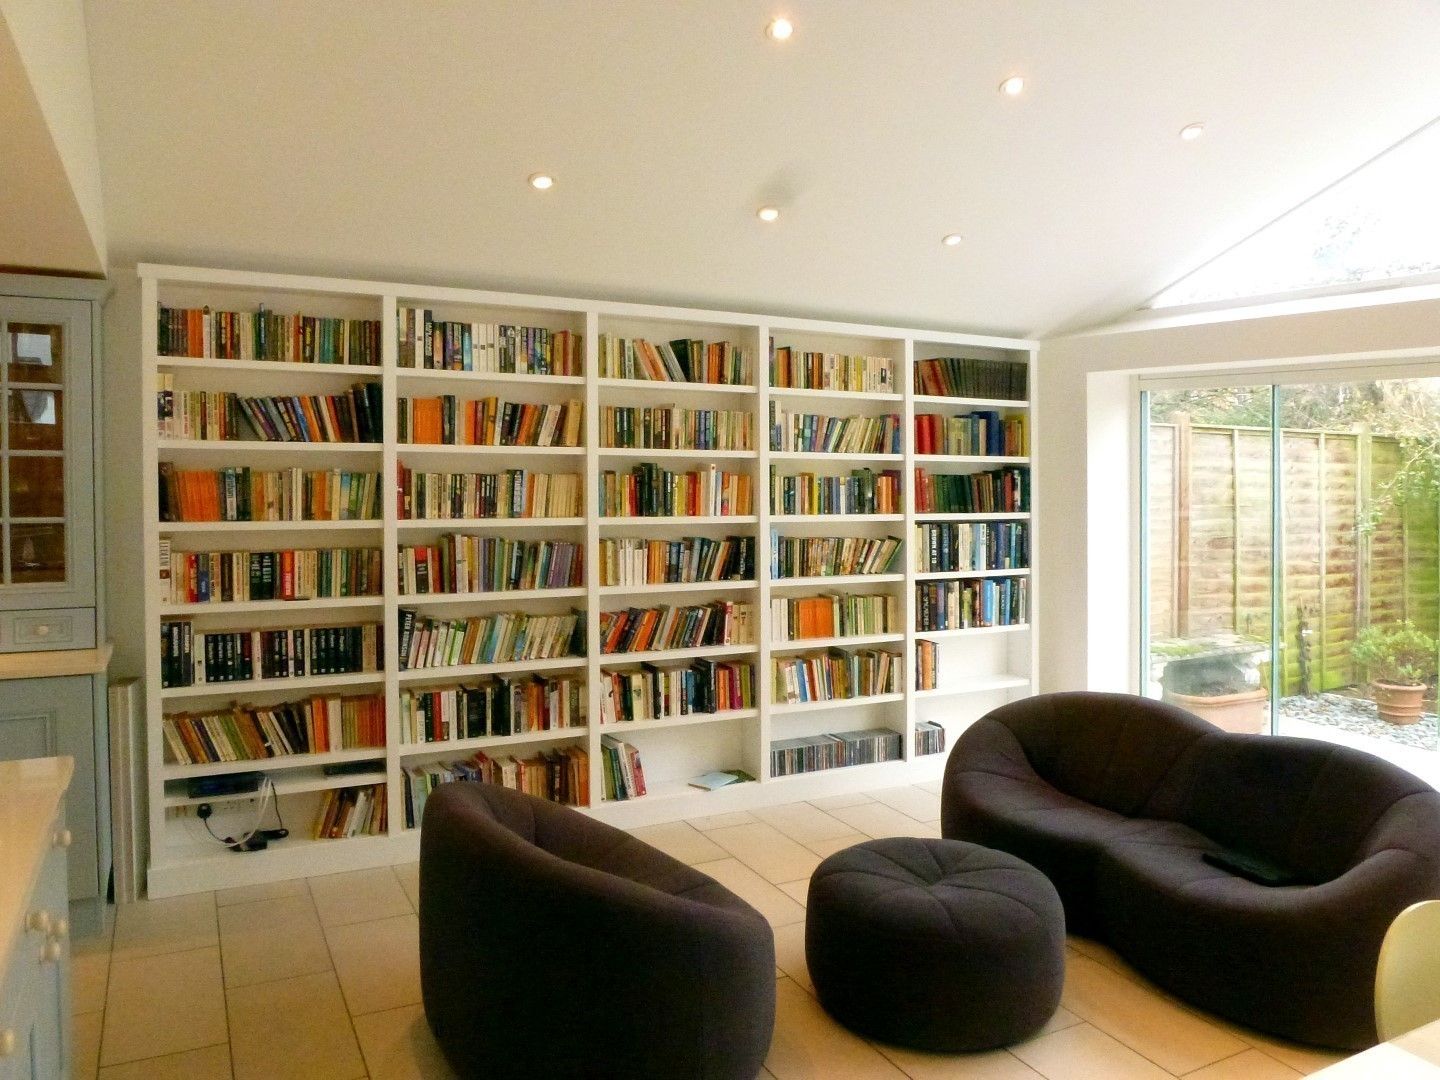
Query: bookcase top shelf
[(975, 668)]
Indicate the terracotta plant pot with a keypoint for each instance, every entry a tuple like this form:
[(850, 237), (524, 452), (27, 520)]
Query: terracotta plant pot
[(1398, 704), (1244, 712)]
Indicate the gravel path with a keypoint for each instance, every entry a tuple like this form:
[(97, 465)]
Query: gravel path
[(1359, 716)]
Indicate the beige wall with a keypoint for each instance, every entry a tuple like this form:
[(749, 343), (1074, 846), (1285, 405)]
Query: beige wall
[(1086, 476)]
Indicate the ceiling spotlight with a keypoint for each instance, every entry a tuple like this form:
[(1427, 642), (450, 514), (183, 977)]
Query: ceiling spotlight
[(1013, 86), (541, 181), (1191, 132), (952, 239), (780, 30), (767, 213)]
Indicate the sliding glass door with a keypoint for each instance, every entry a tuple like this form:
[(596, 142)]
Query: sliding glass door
[(1291, 548)]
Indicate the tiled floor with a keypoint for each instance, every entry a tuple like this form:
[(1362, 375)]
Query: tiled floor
[(320, 979)]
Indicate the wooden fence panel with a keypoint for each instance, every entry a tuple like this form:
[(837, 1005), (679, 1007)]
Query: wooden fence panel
[(1337, 621), (1160, 507)]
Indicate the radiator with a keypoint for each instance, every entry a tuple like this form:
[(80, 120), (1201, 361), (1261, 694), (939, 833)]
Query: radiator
[(128, 814)]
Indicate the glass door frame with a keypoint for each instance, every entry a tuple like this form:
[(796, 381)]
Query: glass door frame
[(1401, 364)]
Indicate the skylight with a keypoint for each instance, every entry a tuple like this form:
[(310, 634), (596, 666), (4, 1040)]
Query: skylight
[(1380, 222)]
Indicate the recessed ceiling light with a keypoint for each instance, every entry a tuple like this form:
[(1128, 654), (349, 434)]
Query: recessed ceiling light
[(1013, 86), (779, 29), (541, 181), (951, 239), (1191, 132), (767, 213)]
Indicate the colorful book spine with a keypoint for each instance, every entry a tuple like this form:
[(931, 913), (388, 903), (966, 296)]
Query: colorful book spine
[(493, 707), (796, 369), (817, 433), (222, 577), (815, 753), (799, 618), (633, 561), (514, 493), (632, 630), (622, 769), (977, 434), (953, 376), (201, 333), (981, 545), (666, 691), (967, 603), (831, 556), (191, 658), (999, 491), (648, 490), (501, 637), (835, 675), (670, 427), (209, 415), (315, 725), (863, 491), (351, 811), (452, 421), (561, 775), (684, 360), (458, 563), (245, 494), (431, 344)]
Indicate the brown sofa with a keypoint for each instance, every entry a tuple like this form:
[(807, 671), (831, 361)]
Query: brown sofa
[(1118, 799), (552, 945)]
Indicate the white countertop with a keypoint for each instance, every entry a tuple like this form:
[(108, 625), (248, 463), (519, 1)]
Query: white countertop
[(1412, 1056), (30, 794), (49, 665)]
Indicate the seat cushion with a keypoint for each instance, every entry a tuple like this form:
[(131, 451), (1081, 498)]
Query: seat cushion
[(935, 944)]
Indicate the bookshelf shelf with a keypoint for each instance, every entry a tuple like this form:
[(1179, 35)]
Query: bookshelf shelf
[(294, 782), (837, 642), (247, 606), (939, 575), (522, 738), (975, 665)]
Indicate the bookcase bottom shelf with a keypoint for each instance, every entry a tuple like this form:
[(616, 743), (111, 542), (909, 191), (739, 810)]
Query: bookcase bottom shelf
[(188, 867)]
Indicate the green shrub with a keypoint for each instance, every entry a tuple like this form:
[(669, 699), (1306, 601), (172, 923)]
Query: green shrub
[(1401, 655)]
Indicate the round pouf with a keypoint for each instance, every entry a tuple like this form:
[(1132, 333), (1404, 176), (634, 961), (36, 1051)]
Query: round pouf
[(935, 944)]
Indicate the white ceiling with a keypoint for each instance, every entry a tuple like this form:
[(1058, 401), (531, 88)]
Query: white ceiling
[(392, 138)]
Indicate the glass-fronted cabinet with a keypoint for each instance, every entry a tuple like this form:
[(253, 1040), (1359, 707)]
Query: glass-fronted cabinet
[(52, 675)]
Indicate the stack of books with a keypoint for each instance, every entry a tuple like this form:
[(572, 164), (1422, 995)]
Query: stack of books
[(682, 360), (924, 664), (978, 433), (998, 491), (668, 427), (431, 344), (562, 776), (657, 692), (505, 705), (637, 561), (514, 493), (971, 602), (222, 577), (500, 637), (188, 658), (351, 811), (266, 335), (450, 421), (833, 615), (794, 369), (722, 622), (245, 494), (814, 753), (954, 376), (929, 738), (220, 414), (864, 491), (817, 433), (835, 675), (316, 725), (458, 563), (624, 774), (983, 545), (647, 490), (831, 556)]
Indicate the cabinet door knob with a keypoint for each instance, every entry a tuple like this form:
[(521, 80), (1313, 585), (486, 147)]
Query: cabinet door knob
[(7, 1043), (52, 952), (64, 838), (61, 929), (39, 921)]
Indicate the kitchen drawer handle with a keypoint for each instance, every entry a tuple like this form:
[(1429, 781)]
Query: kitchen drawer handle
[(64, 838)]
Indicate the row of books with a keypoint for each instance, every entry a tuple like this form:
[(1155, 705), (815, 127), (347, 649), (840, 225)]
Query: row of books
[(316, 725), (351, 811), (514, 493), (929, 738), (797, 618), (503, 705), (971, 602), (925, 657), (955, 376), (353, 416), (499, 637), (813, 753), (979, 545), (818, 433), (999, 491), (797, 369), (245, 494), (633, 560), (460, 563), (561, 775), (835, 675), (659, 692), (722, 622), (682, 360), (267, 335), (452, 421), (671, 427), (432, 344), (188, 658), (648, 490), (827, 556), (864, 491), (624, 774), (222, 577), (976, 433)]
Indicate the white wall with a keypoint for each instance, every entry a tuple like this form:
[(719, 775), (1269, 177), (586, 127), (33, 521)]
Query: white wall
[(1086, 476), (121, 417)]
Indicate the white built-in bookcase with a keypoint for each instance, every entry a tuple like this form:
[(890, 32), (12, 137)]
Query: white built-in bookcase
[(978, 669)]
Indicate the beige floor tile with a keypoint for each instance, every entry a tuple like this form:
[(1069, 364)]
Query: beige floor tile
[(1082, 1052), (764, 897), (210, 1063), (408, 875), (826, 848), (680, 840), (809, 1045), (798, 891), (272, 939), (803, 823), (163, 1004), (1062, 1019), (1141, 1018), (876, 820), (835, 802), (175, 924), (767, 851), (790, 954), (994, 1065), (722, 821), (294, 1029), (85, 1044), (1303, 1059), (397, 1045), (920, 805), (101, 941), (378, 962), (932, 786), (89, 975), (765, 1074), (1246, 1065), (268, 890), (359, 896)]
